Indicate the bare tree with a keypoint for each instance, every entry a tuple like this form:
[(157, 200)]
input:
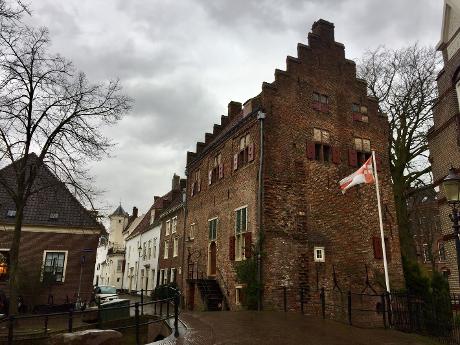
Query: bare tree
[(48, 108), (404, 82), (12, 10)]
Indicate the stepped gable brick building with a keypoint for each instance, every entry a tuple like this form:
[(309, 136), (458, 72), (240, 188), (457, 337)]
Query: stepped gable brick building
[(58, 235), (319, 126), (444, 136), (172, 238)]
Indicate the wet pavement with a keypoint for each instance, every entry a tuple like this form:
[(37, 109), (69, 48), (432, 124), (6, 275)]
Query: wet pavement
[(266, 328)]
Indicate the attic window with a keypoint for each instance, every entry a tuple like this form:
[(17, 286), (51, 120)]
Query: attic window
[(54, 215), (11, 213)]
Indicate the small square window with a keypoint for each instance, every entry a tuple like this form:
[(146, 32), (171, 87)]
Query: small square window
[(11, 213), (319, 254), (355, 108), (363, 109), (54, 215), (316, 97)]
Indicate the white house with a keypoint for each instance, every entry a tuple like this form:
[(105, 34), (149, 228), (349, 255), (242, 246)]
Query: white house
[(142, 250)]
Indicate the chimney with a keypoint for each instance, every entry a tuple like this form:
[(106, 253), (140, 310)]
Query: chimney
[(175, 182), (324, 29), (155, 198), (247, 107), (234, 108), (135, 211), (183, 183)]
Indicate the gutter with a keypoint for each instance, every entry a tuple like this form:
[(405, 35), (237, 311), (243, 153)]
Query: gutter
[(260, 118)]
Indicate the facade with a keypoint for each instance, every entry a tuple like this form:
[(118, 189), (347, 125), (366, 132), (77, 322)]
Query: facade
[(58, 242), (444, 136), (316, 125), (172, 239), (142, 247)]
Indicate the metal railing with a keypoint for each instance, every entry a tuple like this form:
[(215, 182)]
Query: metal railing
[(159, 310)]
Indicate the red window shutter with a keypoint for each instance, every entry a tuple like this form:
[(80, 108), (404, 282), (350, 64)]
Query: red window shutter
[(235, 161), (335, 155), (310, 150), (378, 254), (251, 152), (378, 162), (352, 158), (210, 177), (357, 117), (247, 245), (231, 248), (221, 170)]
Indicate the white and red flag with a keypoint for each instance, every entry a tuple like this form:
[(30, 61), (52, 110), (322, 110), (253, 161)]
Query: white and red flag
[(362, 175)]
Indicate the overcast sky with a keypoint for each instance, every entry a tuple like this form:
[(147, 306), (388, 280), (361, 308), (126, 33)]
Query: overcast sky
[(183, 61)]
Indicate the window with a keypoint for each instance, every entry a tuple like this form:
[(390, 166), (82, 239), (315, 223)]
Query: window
[(174, 225), (168, 227), (119, 265), (162, 276), (191, 234), (144, 251), (320, 102), (321, 140), (4, 264), (11, 213), (166, 253), (319, 254), (216, 171), (441, 251), (426, 253), (172, 277), (54, 215), (212, 229), (241, 226), (149, 250), (363, 150), (359, 113), (175, 246), (238, 295), (245, 152), (458, 94), (54, 263), (154, 248), (196, 184)]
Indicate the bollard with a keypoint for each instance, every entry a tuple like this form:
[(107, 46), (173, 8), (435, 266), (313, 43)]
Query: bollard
[(136, 306), (323, 302), (70, 320), (390, 310), (349, 308), (301, 300), (10, 330), (142, 301), (176, 315), (285, 298), (382, 300), (46, 324)]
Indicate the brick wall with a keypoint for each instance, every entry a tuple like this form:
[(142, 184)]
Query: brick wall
[(32, 247)]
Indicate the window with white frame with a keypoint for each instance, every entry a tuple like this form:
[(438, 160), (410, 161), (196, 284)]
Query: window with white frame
[(154, 248), (144, 250), (172, 277), (174, 225), (119, 265), (191, 234), (166, 253), (426, 253), (212, 236), (175, 246), (162, 276), (238, 294), (241, 226), (363, 150), (319, 254), (168, 227), (149, 249), (54, 265), (165, 277)]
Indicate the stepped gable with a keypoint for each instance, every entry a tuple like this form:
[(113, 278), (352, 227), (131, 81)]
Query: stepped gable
[(53, 205)]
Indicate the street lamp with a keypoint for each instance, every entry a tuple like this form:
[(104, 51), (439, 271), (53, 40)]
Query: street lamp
[(451, 186)]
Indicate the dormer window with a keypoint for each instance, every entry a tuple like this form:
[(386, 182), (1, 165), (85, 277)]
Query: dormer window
[(54, 215), (11, 213)]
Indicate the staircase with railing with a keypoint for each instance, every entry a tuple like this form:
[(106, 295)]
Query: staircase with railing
[(210, 289)]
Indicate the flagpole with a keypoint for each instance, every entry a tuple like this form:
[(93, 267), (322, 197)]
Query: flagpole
[(382, 236)]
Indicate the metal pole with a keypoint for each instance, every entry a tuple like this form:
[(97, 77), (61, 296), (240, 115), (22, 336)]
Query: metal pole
[(301, 300), (136, 310), (349, 307), (382, 300), (70, 320), (323, 303), (285, 298), (176, 315), (261, 118), (142, 301), (456, 227)]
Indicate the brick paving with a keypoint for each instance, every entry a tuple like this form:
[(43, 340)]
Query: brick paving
[(249, 328)]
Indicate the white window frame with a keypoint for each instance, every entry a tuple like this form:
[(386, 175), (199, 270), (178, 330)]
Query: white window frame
[(65, 262), (175, 247), (168, 227), (172, 275), (154, 247), (238, 290), (217, 228), (239, 238), (323, 254), (166, 250), (174, 225), (149, 249), (191, 234)]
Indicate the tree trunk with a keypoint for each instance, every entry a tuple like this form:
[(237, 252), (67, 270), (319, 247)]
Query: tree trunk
[(405, 237), (14, 260)]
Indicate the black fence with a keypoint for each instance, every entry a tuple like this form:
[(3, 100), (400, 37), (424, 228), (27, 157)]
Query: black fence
[(154, 307), (437, 316)]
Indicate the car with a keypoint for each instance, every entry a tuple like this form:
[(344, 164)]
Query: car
[(105, 293)]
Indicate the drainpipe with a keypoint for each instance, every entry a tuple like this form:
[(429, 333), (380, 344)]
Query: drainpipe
[(261, 118)]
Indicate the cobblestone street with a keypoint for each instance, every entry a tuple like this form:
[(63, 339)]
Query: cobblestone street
[(249, 328)]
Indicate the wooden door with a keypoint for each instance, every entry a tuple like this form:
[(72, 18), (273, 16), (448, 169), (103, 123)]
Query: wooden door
[(212, 259)]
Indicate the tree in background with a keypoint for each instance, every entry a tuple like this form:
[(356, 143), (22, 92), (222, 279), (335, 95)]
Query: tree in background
[(50, 109), (404, 82)]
